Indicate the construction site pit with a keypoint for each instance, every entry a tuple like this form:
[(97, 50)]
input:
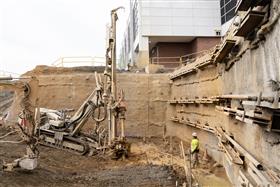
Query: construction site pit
[(148, 164)]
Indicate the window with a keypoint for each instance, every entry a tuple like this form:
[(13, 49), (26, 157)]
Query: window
[(227, 9), (218, 32)]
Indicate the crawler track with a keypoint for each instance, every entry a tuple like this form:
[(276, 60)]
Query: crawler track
[(68, 143)]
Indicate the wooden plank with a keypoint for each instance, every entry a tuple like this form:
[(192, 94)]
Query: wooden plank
[(175, 119), (225, 50), (243, 5), (262, 116), (262, 2), (249, 23), (182, 72), (234, 154), (172, 101), (204, 64)]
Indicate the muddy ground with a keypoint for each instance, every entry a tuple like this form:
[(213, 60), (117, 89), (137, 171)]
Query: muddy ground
[(147, 165)]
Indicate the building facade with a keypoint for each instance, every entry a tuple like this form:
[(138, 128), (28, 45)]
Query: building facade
[(159, 29)]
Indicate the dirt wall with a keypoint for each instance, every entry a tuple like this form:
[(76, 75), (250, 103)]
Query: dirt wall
[(146, 96)]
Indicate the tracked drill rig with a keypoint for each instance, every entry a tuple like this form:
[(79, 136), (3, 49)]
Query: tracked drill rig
[(58, 129)]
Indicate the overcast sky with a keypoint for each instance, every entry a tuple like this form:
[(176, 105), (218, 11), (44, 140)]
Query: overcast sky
[(36, 32)]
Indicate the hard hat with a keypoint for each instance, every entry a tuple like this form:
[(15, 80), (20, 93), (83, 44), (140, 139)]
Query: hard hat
[(194, 134)]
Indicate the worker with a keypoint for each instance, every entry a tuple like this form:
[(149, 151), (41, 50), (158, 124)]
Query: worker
[(194, 149)]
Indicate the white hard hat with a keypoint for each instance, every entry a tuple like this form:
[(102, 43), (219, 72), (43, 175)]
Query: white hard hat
[(194, 134)]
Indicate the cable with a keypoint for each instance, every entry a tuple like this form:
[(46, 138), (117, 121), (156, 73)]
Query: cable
[(13, 142), (1, 137)]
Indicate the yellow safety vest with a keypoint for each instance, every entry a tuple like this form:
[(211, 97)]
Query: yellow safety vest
[(194, 145)]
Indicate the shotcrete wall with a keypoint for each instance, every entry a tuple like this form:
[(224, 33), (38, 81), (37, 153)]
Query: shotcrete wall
[(146, 96), (249, 75)]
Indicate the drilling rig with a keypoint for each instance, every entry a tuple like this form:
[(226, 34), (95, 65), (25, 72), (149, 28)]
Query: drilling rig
[(58, 129)]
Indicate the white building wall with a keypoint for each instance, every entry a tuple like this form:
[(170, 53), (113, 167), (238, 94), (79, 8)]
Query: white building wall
[(226, 26), (180, 18)]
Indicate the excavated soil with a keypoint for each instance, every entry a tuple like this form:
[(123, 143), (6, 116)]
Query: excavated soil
[(61, 168), (148, 164)]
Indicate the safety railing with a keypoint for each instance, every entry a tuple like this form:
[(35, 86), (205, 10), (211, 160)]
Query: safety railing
[(73, 61), (4, 73), (165, 60), (179, 60)]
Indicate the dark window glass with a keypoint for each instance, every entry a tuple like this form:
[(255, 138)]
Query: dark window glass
[(222, 11), (230, 6), (230, 14), (222, 3), (227, 9), (223, 20)]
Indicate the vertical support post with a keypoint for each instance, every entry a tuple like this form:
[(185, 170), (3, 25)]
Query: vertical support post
[(181, 60), (190, 168), (171, 144), (148, 109), (184, 157), (188, 172), (62, 62)]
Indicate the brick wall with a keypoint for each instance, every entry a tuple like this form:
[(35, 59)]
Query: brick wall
[(172, 49), (204, 43)]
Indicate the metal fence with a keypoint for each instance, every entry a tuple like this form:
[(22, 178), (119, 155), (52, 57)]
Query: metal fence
[(73, 61), (4, 73), (179, 60)]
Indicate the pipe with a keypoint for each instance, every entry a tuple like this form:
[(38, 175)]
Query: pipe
[(12, 132), (257, 164), (6, 78), (264, 180), (12, 78), (241, 97), (12, 142), (246, 97)]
